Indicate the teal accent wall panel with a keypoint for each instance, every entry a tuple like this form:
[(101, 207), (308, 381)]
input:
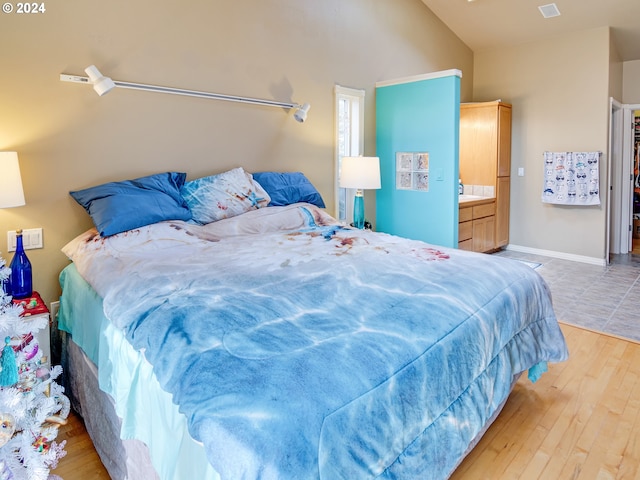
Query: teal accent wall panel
[(419, 116)]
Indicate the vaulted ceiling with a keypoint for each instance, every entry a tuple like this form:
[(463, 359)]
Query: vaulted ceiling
[(486, 24)]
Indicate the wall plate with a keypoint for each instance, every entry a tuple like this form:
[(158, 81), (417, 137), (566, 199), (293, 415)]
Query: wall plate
[(31, 238)]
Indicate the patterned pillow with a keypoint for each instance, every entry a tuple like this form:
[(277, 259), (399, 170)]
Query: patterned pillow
[(223, 196)]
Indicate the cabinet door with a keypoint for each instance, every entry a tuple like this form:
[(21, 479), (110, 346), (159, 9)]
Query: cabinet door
[(478, 143), (466, 245), (465, 231), (484, 234), (504, 140), (503, 192)]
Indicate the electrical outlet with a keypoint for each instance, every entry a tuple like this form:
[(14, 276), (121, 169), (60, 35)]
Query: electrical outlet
[(31, 238)]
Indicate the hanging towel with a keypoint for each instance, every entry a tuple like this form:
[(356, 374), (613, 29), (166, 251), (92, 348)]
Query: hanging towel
[(571, 178)]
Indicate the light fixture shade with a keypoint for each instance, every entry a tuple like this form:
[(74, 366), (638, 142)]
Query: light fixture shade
[(301, 113), (101, 84), (362, 173), (105, 85), (94, 73), (11, 193)]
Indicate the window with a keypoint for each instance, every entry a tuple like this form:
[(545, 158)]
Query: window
[(349, 142)]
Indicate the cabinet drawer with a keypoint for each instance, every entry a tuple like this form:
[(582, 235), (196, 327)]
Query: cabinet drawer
[(485, 210), (465, 214), (465, 231), (466, 245)]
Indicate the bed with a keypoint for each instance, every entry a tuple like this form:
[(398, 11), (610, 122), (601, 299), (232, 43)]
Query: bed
[(278, 343)]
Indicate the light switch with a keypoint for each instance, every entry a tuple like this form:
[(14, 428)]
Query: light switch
[(521, 172), (31, 238)]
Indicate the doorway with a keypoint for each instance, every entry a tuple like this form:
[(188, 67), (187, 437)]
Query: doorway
[(635, 151), (623, 233)]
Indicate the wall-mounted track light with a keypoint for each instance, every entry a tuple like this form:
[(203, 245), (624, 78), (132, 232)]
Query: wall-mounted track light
[(103, 85)]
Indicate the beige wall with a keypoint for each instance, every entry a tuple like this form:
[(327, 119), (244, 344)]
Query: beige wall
[(616, 73), (559, 89), (289, 50), (631, 82)]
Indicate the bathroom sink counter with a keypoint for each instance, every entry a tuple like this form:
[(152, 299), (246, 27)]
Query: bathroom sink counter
[(472, 200)]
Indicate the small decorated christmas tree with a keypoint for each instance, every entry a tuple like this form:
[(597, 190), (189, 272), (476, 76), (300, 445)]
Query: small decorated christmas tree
[(32, 404)]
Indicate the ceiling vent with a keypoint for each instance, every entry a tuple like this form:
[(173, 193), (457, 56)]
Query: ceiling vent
[(549, 11)]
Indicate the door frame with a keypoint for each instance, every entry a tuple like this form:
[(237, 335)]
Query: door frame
[(620, 178)]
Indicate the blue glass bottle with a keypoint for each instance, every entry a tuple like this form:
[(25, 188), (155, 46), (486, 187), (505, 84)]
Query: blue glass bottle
[(21, 279)]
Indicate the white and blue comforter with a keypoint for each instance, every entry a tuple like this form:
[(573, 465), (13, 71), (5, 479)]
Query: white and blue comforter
[(298, 349)]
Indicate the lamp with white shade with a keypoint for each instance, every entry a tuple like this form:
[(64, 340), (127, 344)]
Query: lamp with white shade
[(361, 173), (12, 195)]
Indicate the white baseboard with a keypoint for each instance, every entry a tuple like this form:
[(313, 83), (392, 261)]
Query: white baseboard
[(565, 256)]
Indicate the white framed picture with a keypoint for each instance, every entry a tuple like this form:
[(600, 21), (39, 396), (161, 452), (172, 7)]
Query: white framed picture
[(412, 171)]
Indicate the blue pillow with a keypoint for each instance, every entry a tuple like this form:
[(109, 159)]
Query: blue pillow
[(120, 206), (288, 188)]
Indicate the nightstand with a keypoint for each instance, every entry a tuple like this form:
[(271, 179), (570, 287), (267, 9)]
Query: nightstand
[(34, 308)]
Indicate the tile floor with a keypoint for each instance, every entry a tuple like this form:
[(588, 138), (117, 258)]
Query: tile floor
[(603, 298)]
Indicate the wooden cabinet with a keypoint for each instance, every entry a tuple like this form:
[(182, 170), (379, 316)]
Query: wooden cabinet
[(484, 230), (503, 153), (465, 228), (503, 192), (477, 226), (485, 157)]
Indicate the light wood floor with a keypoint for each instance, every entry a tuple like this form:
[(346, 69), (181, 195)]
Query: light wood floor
[(82, 461), (581, 420)]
